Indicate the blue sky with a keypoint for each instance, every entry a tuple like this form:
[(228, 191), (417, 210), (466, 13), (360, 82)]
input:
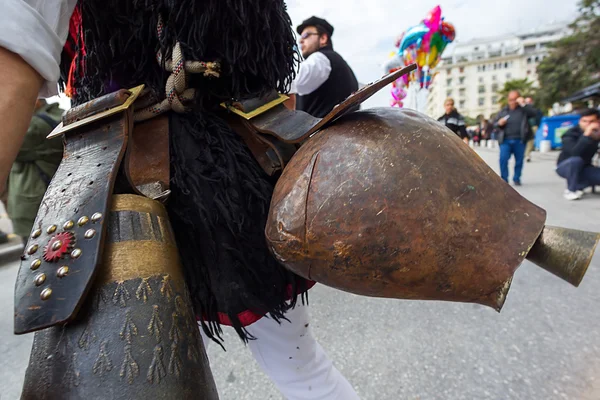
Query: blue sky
[(365, 30)]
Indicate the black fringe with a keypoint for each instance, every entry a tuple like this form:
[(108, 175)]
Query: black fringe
[(220, 196), (218, 210), (253, 40)]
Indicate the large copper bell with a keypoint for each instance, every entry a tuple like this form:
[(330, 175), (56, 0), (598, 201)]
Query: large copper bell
[(390, 203), (136, 336)]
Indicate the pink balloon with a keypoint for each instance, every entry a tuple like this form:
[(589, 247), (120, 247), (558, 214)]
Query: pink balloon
[(433, 21)]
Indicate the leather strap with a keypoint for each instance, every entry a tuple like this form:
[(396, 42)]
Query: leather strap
[(147, 159), (296, 126), (65, 247), (272, 135)]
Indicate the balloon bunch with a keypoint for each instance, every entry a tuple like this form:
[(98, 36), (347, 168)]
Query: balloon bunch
[(422, 44)]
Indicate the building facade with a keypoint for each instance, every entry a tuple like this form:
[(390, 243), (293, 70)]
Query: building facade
[(473, 72)]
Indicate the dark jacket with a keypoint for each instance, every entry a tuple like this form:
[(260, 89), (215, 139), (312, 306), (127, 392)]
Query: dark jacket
[(456, 123), (340, 84), (574, 144), (526, 133)]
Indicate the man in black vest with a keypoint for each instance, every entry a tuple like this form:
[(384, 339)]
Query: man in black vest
[(324, 79)]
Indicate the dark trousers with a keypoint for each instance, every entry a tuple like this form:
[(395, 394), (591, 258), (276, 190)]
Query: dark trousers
[(578, 175), (508, 148)]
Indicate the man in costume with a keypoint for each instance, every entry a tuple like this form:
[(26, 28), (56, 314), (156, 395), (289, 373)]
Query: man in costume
[(219, 194), (325, 79)]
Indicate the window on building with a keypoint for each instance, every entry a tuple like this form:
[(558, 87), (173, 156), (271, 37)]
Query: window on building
[(461, 104), (495, 66), (506, 65), (479, 68), (494, 99), (476, 48), (449, 71), (536, 59), (493, 78), (461, 80), (461, 92), (448, 93), (508, 76), (449, 82), (481, 101), (528, 72), (461, 70), (481, 79), (495, 87), (483, 68), (481, 89), (528, 60)]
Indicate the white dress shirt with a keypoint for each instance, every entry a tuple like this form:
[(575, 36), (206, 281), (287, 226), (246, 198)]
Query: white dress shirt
[(314, 71), (37, 30)]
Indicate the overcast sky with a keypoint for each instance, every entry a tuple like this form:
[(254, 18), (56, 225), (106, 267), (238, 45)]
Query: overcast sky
[(365, 30)]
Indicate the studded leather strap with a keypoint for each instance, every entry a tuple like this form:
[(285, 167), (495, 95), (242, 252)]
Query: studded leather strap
[(66, 244)]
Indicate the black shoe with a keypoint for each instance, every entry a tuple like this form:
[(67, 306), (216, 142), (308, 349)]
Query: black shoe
[(517, 183)]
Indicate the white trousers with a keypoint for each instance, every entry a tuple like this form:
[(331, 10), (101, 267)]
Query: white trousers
[(295, 362)]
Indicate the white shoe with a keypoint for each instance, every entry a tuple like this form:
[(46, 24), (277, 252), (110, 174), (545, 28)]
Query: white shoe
[(573, 195), (579, 192)]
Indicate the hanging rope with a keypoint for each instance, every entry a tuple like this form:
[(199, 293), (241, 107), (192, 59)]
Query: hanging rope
[(176, 91)]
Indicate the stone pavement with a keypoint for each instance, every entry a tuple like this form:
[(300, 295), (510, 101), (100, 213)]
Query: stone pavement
[(543, 345)]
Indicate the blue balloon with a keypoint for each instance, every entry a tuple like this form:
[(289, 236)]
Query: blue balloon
[(413, 35)]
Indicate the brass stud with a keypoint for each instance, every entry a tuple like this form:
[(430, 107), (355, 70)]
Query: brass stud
[(46, 293), (76, 253), (96, 217), (36, 234), (57, 245), (68, 225), (35, 264), (51, 229), (90, 233), (32, 249), (62, 271), (83, 220), (40, 279)]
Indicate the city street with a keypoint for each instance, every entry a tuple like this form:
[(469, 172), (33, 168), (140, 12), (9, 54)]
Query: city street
[(544, 345)]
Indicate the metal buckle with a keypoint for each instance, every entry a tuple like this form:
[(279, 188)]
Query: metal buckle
[(61, 129), (265, 107)]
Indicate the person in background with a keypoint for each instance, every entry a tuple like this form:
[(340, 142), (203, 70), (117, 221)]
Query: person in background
[(454, 121), (325, 79), (34, 167), (513, 133), (534, 123), (579, 145)]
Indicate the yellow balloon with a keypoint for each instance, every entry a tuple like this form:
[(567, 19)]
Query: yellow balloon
[(421, 58), (392, 54), (432, 57)]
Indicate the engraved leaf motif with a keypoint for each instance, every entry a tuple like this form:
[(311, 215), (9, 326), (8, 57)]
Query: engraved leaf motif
[(156, 371), (85, 339), (175, 333), (100, 299), (166, 289), (155, 325), (144, 290), (103, 364), (130, 368), (175, 362), (129, 329), (192, 353), (121, 295), (71, 377)]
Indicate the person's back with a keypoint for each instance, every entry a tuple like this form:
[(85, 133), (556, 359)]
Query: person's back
[(36, 163), (325, 79), (341, 83)]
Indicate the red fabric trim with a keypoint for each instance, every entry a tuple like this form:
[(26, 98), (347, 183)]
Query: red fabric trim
[(248, 317)]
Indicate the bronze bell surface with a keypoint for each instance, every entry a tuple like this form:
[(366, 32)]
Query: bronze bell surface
[(388, 202)]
